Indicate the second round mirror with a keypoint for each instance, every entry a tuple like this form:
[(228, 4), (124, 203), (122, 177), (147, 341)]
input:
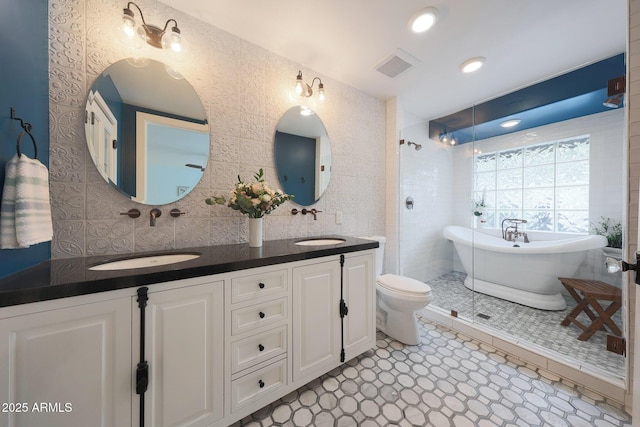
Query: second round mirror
[(302, 154)]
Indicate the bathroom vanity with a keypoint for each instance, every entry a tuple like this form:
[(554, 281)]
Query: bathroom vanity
[(223, 334)]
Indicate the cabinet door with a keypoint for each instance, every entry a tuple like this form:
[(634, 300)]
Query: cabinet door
[(316, 319), (184, 335), (67, 367), (359, 295)]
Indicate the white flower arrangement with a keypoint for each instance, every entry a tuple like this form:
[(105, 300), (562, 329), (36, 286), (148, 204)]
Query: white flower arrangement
[(253, 199)]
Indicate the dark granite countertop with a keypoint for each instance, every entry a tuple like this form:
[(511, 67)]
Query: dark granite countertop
[(62, 278)]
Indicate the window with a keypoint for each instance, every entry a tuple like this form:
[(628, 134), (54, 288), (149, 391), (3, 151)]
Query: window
[(546, 184)]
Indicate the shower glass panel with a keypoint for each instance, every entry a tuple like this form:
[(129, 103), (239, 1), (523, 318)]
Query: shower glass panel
[(559, 181), (427, 177)]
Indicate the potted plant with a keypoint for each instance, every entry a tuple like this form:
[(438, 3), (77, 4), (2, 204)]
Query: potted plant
[(254, 199), (612, 230)]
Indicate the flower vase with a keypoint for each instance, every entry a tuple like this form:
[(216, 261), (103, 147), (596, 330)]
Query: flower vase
[(255, 232)]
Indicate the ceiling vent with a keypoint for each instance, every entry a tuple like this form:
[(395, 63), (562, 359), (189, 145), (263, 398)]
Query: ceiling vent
[(397, 63)]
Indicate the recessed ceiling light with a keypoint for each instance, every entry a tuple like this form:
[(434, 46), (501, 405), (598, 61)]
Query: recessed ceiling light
[(473, 64), (510, 123), (423, 19)]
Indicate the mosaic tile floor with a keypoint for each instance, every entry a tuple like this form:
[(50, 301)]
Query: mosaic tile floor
[(539, 327), (447, 380)]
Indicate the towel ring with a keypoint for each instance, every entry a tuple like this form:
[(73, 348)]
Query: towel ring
[(35, 145)]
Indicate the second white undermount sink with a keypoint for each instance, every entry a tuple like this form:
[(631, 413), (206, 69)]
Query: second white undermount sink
[(320, 242), (144, 262)]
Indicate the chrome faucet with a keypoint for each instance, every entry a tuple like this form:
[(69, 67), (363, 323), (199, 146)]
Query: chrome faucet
[(155, 213), (511, 233)]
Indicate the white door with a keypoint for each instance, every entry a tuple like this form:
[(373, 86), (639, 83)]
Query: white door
[(101, 131), (184, 332), (67, 367), (316, 318)]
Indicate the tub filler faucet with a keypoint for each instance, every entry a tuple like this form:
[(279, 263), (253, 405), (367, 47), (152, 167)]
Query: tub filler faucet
[(510, 233)]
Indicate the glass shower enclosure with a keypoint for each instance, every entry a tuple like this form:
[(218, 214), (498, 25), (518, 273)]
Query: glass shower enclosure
[(492, 225)]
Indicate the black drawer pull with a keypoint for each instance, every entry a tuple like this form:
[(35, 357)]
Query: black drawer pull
[(261, 384), (261, 314), (261, 285), (260, 347)]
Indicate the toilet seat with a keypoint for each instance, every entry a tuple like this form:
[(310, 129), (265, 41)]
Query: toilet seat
[(404, 285)]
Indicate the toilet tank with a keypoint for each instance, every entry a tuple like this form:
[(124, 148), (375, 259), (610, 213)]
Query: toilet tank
[(379, 252)]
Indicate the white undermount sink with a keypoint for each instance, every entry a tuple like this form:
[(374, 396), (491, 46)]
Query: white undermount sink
[(320, 242), (144, 261)]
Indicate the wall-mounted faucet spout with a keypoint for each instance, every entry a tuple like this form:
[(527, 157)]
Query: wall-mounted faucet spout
[(313, 212), (155, 213)]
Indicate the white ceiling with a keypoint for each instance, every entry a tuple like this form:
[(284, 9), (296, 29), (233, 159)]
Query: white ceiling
[(524, 41)]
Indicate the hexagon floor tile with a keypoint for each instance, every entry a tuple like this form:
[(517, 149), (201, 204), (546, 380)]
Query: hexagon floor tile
[(447, 380)]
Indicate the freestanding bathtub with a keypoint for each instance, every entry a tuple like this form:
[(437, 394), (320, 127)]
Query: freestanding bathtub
[(525, 273)]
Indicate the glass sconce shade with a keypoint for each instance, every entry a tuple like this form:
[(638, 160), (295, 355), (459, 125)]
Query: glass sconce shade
[(304, 90), (172, 40)]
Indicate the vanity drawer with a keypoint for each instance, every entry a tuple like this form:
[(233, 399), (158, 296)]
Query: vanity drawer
[(257, 384), (258, 348), (258, 285), (256, 316)]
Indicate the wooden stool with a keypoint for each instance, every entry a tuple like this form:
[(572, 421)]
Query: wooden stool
[(592, 291)]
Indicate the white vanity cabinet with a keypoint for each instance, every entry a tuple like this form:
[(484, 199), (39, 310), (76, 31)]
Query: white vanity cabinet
[(316, 314), (360, 296), (184, 336), (218, 347), (66, 362), (258, 337), (319, 333)]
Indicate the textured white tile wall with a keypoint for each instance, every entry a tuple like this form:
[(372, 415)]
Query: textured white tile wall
[(245, 90), (426, 177)]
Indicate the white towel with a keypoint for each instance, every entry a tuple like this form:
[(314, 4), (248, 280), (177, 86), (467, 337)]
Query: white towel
[(8, 238), (27, 192)]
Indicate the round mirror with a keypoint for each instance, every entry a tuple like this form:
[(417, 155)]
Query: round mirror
[(147, 131), (302, 153)]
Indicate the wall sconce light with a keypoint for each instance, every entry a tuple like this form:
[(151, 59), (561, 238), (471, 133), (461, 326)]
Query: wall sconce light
[(154, 36), (304, 90), (448, 138)]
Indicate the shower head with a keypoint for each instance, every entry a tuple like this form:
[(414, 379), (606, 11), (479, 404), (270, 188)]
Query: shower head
[(417, 146)]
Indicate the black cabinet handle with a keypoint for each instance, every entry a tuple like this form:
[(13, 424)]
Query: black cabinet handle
[(261, 285), (261, 314), (260, 347), (261, 384)]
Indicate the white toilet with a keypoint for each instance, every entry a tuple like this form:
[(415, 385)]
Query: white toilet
[(398, 299)]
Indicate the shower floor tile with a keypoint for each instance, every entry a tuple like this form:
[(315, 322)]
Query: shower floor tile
[(447, 380), (540, 327)]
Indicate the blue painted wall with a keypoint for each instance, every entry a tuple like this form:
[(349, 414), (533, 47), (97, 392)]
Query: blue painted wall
[(295, 159), (24, 85)]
